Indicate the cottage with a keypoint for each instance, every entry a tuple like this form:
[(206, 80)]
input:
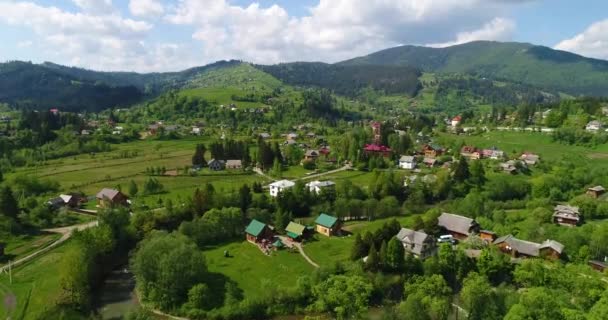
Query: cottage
[(327, 225), (295, 231), (596, 192), (196, 131), (311, 155), (524, 249), (593, 126), (470, 152), (417, 243), (264, 135), (234, 164), (317, 186), (292, 136), (107, 198), (280, 186), (216, 165), (493, 154), (407, 162), (257, 231), (530, 158), (458, 226), (509, 167), (487, 236), (429, 162), (456, 121), (566, 215), (432, 150), (598, 265)]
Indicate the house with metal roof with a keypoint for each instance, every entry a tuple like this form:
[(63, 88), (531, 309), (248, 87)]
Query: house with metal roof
[(523, 249), (458, 226), (566, 215), (318, 186), (417, 243), (328, 225), (295, 231), (109, 197), (256, 231), (280, 186), (596, 192), (407, 162)]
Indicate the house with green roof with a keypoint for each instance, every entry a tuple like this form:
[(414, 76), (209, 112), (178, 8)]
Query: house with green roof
[(257, 231), (295, 230), (328, 225)]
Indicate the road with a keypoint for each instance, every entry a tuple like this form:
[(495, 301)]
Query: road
[(66, 233), (314, 176)]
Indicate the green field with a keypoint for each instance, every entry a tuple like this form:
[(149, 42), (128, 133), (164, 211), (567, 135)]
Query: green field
[(35, 286), (22, 245)]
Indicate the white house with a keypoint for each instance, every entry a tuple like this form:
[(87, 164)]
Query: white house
[(196, 130), (407, 162), (280, 186), (456, 121), (593, 126), (317, 186)]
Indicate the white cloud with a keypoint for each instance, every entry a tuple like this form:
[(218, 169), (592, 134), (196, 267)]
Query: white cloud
[(593, 42), (24, 44), (337, 29), (95, 6), (146, 8), (497, 29)]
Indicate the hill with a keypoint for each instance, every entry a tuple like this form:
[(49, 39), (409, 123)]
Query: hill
[(523, 63), (348, 79)]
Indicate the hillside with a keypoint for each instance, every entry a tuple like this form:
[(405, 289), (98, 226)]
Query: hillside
[(348, 79), (516, 62)]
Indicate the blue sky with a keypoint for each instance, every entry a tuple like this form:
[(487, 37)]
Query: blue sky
[(167, 35)]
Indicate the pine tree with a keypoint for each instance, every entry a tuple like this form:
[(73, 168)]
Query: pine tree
[(461, 170), (133, 188), (244, 198), (198, 159), (8, 203), (383, 254), (478, 174), (395, 255), (373, 260), (359, 248)]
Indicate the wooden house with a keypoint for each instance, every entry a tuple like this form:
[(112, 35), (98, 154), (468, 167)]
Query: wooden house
[(517, 248), (459, 227), (432, 150), (566, 215), (257, 231), (471, 152), (598, 265), (417, 243), (234, 164), (596, 192), (216, 165), (487, 236), (295, 231), (328, 225), (107, 198)]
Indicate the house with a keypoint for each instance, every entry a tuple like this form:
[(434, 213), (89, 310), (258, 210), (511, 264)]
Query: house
[(107, 198), (530, 158), (311, 135), (311, 155), (432, 150), (596, 192), (407, 162), (280, 186), (292, 136), (566, 215), (470, 152), (216, 165), (525, 249), (257, 231), (317, 186), (154, 128), (327, 225), (459, 227), (289, 142), (456, 121), (85, 132), (196, 131), (55, 203), (295, 231), (487, 236), (264, 135), (417, 243), (509, 167), (429, 162), (598, 265), (593, 126), (493, 154), (234, 164)]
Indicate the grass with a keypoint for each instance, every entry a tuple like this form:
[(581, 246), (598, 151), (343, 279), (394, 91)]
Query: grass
[(253, 270), (35, 286), (22, 245)]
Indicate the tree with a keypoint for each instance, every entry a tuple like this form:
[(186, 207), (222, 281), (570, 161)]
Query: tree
[(600, 309), (133, 189), (461, 170), (359, 248), (198, 159), (433, 295), (373, 260), (395, 255), (342, 295), (1, 177), (382, 254), (245, 197), (200, 297), (478, 174), (8, 203), (480, 299), (538, 304), (494, 265)]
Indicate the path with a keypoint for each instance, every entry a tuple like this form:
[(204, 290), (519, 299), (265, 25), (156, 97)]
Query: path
[(313, 176), (66, 233), (261, 173), (298, 245)]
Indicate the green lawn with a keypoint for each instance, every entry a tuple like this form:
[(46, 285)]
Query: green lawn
[(35, 286), (253, 270)]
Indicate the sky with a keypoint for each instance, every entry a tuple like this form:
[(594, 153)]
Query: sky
[(172, 35)]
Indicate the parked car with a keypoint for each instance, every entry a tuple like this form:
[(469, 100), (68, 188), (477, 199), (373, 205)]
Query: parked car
[(448, 238)]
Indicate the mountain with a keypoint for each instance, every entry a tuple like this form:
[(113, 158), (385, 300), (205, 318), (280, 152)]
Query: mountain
[(523, 63), (348, 79)]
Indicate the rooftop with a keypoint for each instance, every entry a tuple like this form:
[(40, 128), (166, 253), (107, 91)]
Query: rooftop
[(255, 227), (326, 220)]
